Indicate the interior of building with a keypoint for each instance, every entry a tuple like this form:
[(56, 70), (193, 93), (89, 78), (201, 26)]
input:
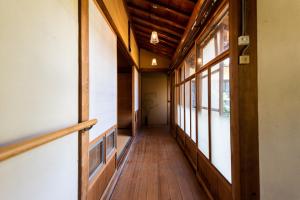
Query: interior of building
[(149, 100)]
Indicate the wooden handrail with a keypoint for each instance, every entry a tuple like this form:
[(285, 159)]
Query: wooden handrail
[(23, 146)]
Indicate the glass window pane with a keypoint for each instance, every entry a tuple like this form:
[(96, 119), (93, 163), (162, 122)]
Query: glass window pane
[(220, 119), (187, 108), (203, 141), (193, 110), (190, 64), (182, 107), (215, 43), (177, 89)]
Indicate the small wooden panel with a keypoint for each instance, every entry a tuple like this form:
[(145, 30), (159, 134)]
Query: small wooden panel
[(218, 187), (191, 151), (213, 182), (97, 188)]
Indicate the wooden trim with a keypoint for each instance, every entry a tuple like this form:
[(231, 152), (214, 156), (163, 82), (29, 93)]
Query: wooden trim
[(83, 138), (94, 141), (23, 146), (244, 99), (208, 193), (147, 70), (95, 178), (211, 63)]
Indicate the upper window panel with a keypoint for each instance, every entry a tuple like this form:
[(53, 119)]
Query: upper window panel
[(215, 43), (190, 64)]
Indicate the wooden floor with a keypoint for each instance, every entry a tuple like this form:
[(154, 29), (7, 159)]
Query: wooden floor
[(157, 169)]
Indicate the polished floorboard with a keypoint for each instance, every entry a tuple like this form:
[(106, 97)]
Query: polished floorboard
[(157, 169)]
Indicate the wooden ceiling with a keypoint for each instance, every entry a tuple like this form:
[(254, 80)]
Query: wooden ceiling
[(168, 17)]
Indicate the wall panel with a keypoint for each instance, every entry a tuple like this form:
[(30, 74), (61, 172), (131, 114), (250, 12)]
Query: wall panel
[(103, 71), (39, 94)]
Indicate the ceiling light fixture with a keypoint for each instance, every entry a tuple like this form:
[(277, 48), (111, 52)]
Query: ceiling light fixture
[(154, 38), (154, 62)]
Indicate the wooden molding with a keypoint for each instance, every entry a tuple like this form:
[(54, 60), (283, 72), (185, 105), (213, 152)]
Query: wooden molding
[(83, 139), (23, 146)]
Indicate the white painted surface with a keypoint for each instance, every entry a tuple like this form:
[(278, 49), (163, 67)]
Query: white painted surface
[(39, 94), (103, 72), (136, 90), (279, 98)]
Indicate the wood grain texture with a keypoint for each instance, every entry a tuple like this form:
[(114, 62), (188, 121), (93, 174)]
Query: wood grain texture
[(157, 169), (23, 146), (83, 138)]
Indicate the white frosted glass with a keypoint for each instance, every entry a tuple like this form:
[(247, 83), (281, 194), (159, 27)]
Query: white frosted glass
[(220, 141), (203, 142), (220, 120), (181, 107), (187, 108)]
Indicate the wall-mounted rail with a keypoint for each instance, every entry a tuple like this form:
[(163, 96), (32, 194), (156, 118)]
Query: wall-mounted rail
[(26, 145)]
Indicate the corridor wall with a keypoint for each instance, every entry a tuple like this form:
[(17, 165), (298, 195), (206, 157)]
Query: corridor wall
[(278, 98), (39, 94), (103, 71)]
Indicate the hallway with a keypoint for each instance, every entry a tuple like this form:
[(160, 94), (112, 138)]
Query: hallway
[(157, 169)]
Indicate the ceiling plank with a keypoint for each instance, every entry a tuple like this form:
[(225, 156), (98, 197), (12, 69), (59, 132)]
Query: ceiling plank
[(135, 10), (156, 51), (158, 47), (158, 28), (139, 28), (168, 9)]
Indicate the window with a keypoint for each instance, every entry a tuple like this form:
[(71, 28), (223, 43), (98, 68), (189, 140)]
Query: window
[(220, 119), (110, 143), (96, 157), (187, 108), (190, 64), (202, 110), (193, 109), (204, 90)]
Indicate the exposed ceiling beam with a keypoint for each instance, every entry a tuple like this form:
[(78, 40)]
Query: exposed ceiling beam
[(135, 10), (139, 28), (168, 9), (157, 28), (158, 47)]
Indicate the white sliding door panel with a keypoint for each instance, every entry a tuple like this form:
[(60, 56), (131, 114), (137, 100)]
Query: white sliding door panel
[(103, 72)]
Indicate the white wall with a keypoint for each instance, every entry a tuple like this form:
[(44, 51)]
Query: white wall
[(279, 98), (136, 90), (103, 72), (39, 94)]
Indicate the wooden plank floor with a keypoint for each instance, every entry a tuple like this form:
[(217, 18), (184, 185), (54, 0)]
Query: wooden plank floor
[(157, 169)]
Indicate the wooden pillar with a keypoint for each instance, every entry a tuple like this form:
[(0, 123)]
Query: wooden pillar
[(83, 136), (245, 166)]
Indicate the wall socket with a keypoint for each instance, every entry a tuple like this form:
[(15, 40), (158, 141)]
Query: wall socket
[(244, 40), (244, 60)]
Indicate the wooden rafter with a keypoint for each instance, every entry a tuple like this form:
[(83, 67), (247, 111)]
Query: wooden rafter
[(139, 28), (158, 28), (137, 11), (168, 9)]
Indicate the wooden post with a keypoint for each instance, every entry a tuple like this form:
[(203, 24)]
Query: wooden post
[(83, 139)]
